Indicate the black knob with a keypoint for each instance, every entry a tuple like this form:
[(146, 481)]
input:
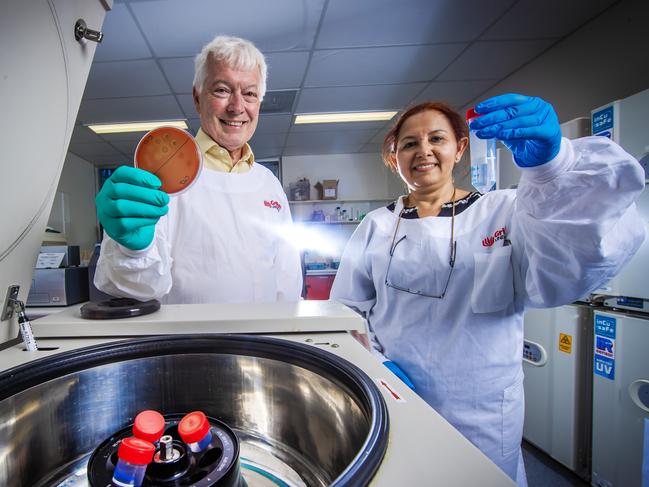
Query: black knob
[(81, 31)]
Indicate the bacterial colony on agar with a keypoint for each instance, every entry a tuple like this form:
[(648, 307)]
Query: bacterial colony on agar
[(172, 155)]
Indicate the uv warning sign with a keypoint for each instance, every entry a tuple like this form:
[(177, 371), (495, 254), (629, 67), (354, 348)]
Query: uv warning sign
[(565, 343)]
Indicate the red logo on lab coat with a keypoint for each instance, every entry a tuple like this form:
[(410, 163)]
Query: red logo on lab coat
[(499, 234), (273, 204)]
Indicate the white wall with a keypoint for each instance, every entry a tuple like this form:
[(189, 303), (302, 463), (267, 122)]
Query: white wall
[(361, 176), (77, 184)]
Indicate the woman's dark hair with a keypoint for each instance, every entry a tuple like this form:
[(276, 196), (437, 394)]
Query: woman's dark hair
[(458, 124)]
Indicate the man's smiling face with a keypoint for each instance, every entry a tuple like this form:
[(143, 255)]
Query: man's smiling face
[(228, 105)]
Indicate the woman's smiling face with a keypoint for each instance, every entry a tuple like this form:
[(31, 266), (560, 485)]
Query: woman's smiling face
[(427, 150)]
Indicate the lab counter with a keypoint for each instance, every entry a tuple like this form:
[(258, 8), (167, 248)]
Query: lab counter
[(297, 317)]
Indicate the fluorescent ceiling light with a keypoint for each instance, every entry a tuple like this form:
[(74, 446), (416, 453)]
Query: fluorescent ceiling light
[(116, 128), (344, 117)]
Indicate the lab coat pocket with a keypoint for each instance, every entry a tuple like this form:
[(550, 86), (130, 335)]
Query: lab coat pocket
[(493, 283), (513, 416)]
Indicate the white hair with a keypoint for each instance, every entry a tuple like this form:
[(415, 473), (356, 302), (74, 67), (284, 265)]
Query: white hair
[(235, 52)]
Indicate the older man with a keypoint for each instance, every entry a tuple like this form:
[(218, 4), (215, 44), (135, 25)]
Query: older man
[(227, 238)]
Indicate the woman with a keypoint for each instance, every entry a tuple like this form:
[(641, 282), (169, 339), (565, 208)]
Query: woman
[(443, 275)]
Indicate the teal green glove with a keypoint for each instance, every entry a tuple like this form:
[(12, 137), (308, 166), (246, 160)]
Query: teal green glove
[(129, 205)]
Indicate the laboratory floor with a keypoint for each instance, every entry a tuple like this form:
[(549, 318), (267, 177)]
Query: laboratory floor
[(543, 471)]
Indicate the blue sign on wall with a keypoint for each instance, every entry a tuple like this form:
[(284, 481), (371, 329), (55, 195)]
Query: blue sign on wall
[(602, 119)]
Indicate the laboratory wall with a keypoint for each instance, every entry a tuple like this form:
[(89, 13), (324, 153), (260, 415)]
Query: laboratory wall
[(75, 204), (361, 176), (604, 60)]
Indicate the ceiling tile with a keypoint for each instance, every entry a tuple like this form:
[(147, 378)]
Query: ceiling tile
[(180, 73), (135, 109), (194, 125), (455, 93), (123, 137), (386, 22), (322, 140), (267, 152), (345, 99), (268, 140), (134, 78), (319, 127), (530, 19), (82, 134), (89, 150), (383, 65), (187, 105), (371, 149), (279, 25), (493, 59), (273, 124), (316, 149), (122, 38), (107, 160), (380, 135), (286, 69), (126, 147)]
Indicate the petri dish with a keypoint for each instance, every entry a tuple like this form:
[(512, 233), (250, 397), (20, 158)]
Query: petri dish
[(171, 154)]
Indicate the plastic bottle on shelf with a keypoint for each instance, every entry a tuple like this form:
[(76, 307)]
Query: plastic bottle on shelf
[(483, 158), (338, 214)]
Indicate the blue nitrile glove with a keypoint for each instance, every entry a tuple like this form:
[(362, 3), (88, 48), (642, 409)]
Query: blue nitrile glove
[(129, 205), (394, 368), (527, 125)]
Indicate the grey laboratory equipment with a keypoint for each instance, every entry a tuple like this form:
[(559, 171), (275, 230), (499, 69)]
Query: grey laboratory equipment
[(557, 361), (621, 362)]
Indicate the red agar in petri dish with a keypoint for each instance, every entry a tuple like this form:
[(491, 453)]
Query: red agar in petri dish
[(171, 154)]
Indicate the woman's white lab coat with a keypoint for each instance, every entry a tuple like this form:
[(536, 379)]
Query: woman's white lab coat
[(569, 227)]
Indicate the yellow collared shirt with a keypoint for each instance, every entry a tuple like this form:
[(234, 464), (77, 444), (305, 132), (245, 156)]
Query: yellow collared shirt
[(217, 158)]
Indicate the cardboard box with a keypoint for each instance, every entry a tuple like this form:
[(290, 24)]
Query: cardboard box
[(327, 189)]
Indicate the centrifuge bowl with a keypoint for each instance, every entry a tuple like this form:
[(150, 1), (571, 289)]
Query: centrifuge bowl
[(304, 417)]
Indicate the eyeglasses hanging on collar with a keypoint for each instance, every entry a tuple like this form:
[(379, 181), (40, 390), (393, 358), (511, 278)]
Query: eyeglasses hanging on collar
[(395, 242)]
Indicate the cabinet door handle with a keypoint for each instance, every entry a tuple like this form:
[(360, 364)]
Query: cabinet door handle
[(81, 31)]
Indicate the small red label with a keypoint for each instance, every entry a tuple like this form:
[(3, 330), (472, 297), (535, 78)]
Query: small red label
[(273, 204), (499, 234), (395, 395)]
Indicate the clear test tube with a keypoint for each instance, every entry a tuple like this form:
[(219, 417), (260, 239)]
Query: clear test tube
[(483, 158)]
